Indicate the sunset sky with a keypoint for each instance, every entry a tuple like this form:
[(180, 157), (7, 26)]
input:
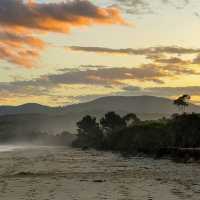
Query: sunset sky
[(57, 52)]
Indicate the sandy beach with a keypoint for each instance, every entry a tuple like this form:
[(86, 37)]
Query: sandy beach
[(59, 173)]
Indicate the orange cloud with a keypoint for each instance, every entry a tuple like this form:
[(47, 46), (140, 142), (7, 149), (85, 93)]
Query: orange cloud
[(24, 58), (18, 40), (58, 17), (19, 18), (20, 49)]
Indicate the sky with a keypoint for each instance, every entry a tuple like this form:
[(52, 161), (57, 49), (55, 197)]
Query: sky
[(57, 52)]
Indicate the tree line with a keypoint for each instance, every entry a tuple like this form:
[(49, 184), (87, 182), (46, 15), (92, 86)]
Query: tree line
[(131, 136)]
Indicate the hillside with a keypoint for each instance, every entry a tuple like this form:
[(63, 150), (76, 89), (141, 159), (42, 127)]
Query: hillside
[(56, 120), (25, 109), (136, 104)]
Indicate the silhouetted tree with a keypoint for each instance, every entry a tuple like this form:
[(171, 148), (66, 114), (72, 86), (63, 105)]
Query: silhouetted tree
[(112, 122), (131, 119), (186, 130), (182, 102), (89, 132)]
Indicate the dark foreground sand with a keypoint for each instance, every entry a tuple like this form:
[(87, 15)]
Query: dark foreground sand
[(55, 173)]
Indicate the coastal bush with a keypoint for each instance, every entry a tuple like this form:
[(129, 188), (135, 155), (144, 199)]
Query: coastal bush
[(158, 137)]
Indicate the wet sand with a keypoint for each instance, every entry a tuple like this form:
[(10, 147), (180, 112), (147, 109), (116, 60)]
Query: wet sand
[(58, 173)]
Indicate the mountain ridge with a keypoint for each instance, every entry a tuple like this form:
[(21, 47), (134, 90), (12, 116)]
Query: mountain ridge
[(137, 104), (57, 119)]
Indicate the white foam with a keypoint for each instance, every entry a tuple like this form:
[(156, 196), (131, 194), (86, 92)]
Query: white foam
[(6, 148)]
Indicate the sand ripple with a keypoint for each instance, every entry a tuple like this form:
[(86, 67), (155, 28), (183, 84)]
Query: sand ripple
[(56, 173)]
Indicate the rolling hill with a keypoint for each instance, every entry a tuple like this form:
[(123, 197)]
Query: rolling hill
[(58, 119)]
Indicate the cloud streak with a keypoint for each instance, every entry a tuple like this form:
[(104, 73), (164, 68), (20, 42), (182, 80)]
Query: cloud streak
[(102, 76), (161, 91), (167, 56), (138, 7), (142, 51)]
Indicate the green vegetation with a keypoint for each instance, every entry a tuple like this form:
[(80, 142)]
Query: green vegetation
[(131, 136)]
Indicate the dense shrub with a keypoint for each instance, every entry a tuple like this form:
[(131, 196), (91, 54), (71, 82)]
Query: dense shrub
[(157, 137)]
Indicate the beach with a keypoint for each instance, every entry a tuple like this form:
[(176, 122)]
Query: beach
[(60, 173)]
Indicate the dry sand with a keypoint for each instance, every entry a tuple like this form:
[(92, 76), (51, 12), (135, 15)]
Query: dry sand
[(56, 173)]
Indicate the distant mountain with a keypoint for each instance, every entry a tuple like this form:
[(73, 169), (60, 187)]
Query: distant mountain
[(28, 108), (124, 104), (58, 119)]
